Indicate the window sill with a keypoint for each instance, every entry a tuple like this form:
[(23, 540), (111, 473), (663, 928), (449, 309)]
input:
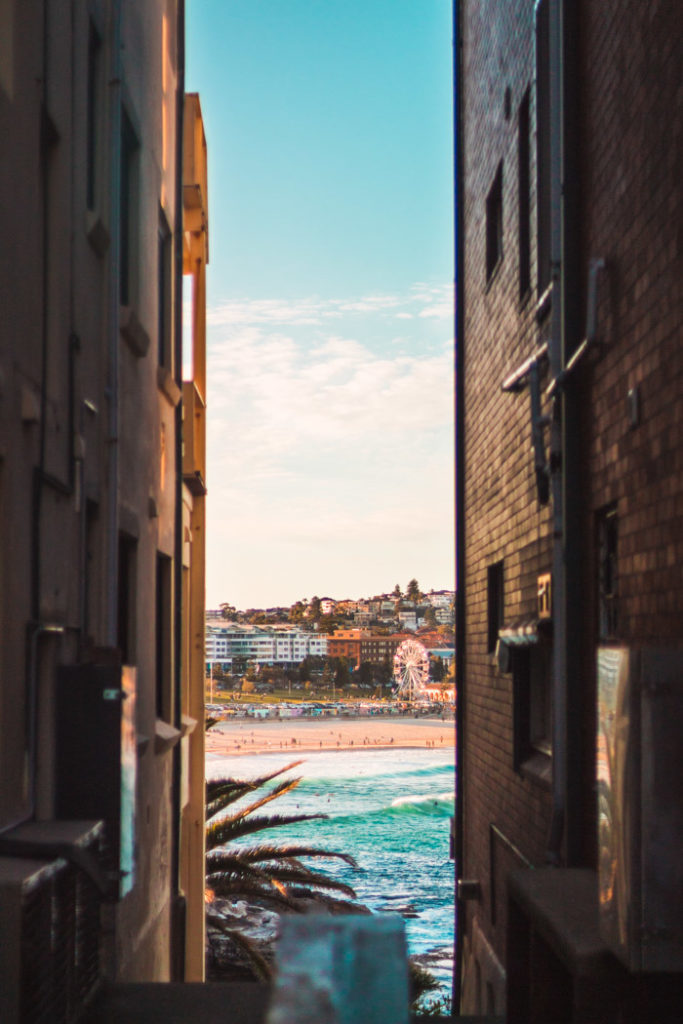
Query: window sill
[(96, 232), (165, 736), (538, 768), (132, 331), (495, 270), (544, 304), (168, 386)]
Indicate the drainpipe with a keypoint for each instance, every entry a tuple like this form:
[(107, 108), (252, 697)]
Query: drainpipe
[(565, 843), (178, 940), (576, 738), (37, 630), (113, 324), (559, 687), (458, 839)]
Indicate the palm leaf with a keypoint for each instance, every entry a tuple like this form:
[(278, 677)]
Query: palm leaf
[(231, 865), (251, 854), (232, 887), (225, 830), (258, 962), (217, 787), (294, 872)]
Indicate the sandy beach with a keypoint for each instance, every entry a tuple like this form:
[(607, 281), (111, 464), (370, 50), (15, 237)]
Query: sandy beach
[(269, 736)]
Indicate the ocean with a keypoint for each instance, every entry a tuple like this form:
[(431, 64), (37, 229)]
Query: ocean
[(391, 810)]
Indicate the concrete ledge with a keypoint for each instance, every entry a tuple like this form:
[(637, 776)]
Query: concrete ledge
[(209, 1003), (562, 903), (180, 1003)]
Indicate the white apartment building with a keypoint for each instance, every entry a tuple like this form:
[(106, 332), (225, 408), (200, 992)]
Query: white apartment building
[(262, 645), (440, 598)]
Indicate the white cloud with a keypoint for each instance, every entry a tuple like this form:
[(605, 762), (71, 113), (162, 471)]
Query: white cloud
[(337, 444)]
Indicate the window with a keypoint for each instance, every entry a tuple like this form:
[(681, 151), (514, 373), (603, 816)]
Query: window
[(495, 602), (523, 188), (532, 703), (164, 635), (94, 115), (608, 578), (90, 566), (127, 589), (543, 183), (494, 223), (165, 293), (128, 255)]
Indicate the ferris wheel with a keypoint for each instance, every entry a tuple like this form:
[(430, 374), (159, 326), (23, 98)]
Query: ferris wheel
[(411, 669)]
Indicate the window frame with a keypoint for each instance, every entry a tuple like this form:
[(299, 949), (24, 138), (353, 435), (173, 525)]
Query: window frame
[(494, 224)]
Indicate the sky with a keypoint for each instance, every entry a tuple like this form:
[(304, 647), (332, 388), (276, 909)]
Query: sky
[(329, 293)]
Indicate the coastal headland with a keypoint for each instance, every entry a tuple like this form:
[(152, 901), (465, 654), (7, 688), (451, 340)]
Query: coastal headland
[(303, 735)]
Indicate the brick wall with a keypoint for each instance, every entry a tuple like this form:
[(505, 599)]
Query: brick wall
[(629, 196), (633, 217), (504, 521)]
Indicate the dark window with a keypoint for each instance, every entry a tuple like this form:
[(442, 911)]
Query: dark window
[(94, 118), (90, 566), (164, 287), (163, 638), (494, 223), (128, 255), (524, 203), (608, 579), (532, 696), (127, 590), (543, 184), (494, 591)]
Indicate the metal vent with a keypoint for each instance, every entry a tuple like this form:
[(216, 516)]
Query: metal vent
[(50, 928)]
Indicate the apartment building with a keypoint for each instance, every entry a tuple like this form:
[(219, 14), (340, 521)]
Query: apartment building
[(235, 646), (101, 717), (569, 381)]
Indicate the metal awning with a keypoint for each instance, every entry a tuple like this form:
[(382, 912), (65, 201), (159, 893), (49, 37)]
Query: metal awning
[(525, 632)]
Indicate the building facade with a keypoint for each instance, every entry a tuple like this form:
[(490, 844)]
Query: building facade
[(569, 381), (235, 646), (101, 716)]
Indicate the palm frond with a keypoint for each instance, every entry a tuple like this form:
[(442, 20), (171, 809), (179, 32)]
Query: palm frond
[(293, 872), (225, 830), (264, 851), (231, 886), (232, 865), (214, 787), (258, 962)]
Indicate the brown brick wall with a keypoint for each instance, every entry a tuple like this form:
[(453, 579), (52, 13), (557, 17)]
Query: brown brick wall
[(503, 519), (632, 173), (631, 168)]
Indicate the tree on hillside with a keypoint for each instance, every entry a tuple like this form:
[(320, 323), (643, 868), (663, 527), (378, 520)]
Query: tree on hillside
[(397, 592), (327, 623), (430, 617), (314, 608), (297, 611), (366, 673), (228, 611), (413, 591), (342, 676), (437, 669)]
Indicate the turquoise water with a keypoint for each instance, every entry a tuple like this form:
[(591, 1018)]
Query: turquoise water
[(391, 810)]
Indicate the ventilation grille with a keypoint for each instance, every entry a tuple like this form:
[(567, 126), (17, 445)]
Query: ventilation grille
[(50, 919)]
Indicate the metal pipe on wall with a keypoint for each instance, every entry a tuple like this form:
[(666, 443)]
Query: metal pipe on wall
[(460, 605), (178, 954), (559, 672), (111, 631)]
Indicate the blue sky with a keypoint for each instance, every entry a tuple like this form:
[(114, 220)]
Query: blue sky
[(329, 132)]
